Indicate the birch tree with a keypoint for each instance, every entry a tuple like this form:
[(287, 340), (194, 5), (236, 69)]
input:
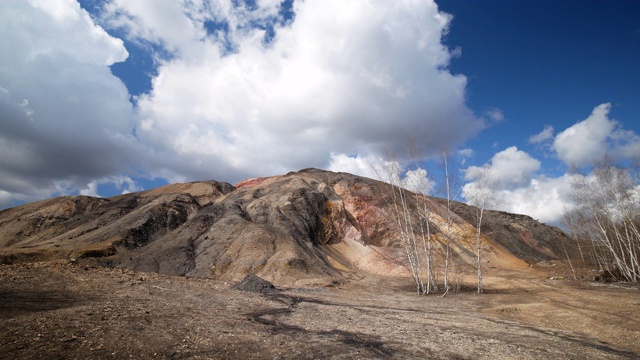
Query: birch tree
[(450, 191), (608, 215), (411, 215), (389, 170), (481, 194)]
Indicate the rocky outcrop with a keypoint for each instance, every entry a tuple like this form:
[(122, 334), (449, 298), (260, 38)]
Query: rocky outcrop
[(308, 227), (254, 283)]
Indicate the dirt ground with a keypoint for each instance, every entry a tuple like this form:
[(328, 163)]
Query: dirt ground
[(59, 310)]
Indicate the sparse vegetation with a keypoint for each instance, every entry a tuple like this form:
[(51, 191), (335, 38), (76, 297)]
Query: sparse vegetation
[(481, 194), (450, 189), (62, 310), (336, 268), (607, 218), (412, 223)]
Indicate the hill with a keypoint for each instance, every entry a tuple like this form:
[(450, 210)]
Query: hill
[(307, 227)]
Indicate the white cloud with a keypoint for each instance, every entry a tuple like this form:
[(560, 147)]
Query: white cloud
[(544, 199), (586, 141), (417, 180), (390, 171), (495, 114), (163, 22), (544, 135), (62, 29), (182, 27), (520, 190), (514, 167), (466, 153), (523, 191), (626, 144), (343, 77), (357, 165), (65, 118), (123, 183), (594, 138), (340, 78)]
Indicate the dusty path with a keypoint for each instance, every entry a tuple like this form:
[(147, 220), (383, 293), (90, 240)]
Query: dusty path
[(56, 310)]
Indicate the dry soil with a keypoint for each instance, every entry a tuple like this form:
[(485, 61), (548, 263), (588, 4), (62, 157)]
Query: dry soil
[(60, 310)]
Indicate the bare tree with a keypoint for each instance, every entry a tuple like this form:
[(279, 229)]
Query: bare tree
[(425, 228), (571, 222), (450, 190), (411, 215), (608, 215), (481, 194), (389, 171), (421, 187)]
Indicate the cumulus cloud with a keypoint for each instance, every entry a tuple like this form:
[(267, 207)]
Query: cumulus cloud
[(418, 181), (544, 135), (123, 183), (520, 189), (523, 190), (357, 165), (594, 138), (415, 179), (513, 167), (586, 141), (65, 118), (339, 78), (239, 90), (544, 199)]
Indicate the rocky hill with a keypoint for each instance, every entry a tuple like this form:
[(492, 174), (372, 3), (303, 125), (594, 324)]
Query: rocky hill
[(308, 227)]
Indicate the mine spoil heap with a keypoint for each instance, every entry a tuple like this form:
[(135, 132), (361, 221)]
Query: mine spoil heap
[(310, 227)]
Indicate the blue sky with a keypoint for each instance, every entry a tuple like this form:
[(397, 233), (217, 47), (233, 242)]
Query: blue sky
[(546, 62), (104, 97)]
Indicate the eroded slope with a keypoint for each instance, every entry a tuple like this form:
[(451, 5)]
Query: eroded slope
[(306, 227)]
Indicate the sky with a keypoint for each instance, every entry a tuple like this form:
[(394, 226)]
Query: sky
[(107, 97)]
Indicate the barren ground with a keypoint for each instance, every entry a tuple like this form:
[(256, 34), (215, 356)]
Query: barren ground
[(60, 310)]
